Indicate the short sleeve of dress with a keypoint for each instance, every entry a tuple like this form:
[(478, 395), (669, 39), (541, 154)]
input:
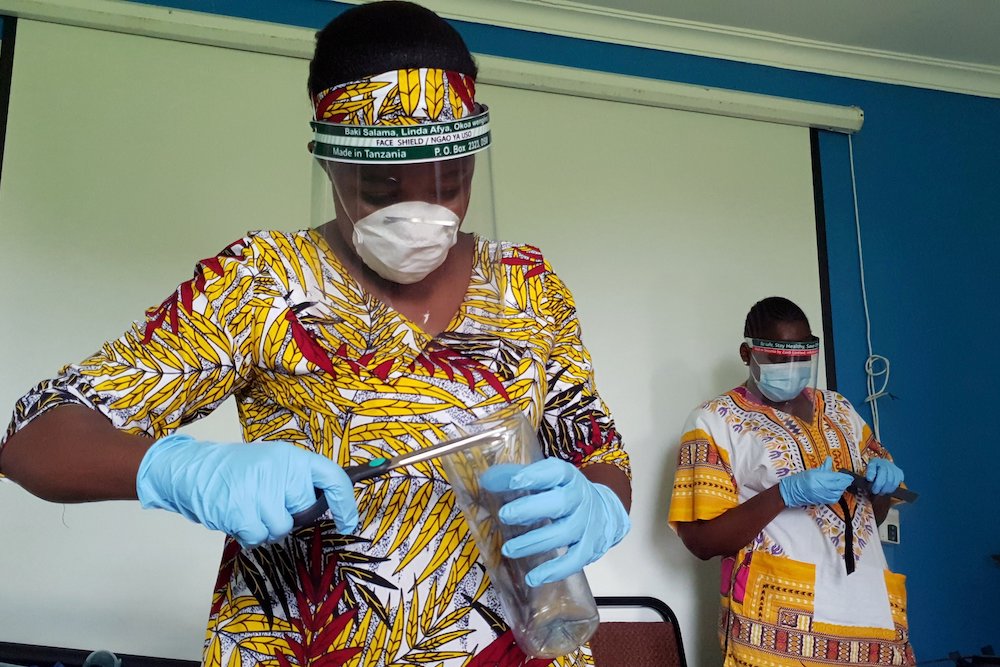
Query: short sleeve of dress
[(176, 365), (704, 485), (867, 444), (576, 424)]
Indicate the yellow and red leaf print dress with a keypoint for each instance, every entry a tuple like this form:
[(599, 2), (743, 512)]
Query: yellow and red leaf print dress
[(311, 358), (789, 598)]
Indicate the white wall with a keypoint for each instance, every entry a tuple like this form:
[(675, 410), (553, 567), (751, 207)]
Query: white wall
[(129, 158), (668, 226)]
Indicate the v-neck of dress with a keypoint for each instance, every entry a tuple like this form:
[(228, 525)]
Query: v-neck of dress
[(813, 431), (421, 338)]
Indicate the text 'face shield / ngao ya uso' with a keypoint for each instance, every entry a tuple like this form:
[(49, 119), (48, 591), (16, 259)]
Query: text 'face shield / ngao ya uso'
[(783, 374), (405, 154)]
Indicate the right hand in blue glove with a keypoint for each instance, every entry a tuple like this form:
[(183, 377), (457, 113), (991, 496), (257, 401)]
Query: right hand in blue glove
[(817, 486), (586, 518), (249, 491), (884, 475)]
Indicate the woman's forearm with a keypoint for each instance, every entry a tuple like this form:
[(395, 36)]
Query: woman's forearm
[(881, 505), (613, 478), (74, 454), (732, 530)]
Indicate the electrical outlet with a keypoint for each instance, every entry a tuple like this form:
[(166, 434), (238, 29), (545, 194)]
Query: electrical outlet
[(888, 532)]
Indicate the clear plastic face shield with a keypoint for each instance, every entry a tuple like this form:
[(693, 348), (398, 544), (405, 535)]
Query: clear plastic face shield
[(407, 177), (783, 374)]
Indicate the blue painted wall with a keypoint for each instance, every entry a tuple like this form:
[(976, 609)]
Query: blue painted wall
[(926, 165)]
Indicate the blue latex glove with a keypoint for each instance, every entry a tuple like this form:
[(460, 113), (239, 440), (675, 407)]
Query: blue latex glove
[(587, 518), (884, 475), (817, 486), (249, 491)]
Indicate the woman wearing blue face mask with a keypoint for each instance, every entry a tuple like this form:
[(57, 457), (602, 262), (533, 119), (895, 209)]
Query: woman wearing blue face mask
[(804, 579)]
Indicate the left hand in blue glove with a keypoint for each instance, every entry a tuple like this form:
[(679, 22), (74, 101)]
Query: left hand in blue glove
[(586, 518), (884, 475)]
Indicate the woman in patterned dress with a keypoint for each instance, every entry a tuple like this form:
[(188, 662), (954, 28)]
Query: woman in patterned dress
[(804, 579), (368, 337)]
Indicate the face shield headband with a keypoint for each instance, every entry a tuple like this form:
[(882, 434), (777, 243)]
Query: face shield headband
[(400, 117), (784, 350)]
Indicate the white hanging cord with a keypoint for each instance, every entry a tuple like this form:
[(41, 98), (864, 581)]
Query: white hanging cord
[(876, 366)]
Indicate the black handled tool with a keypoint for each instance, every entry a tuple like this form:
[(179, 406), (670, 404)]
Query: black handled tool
[(380, 466), (861, 483)]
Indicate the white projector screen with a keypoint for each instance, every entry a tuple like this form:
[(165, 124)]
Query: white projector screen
[(129, 158)]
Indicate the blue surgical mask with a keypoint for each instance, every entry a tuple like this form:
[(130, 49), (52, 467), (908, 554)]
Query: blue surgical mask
[(783, 382)]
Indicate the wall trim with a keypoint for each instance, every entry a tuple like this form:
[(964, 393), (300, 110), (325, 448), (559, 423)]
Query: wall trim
[(823, 252), (572, 19), (163, 22), (295, 42)]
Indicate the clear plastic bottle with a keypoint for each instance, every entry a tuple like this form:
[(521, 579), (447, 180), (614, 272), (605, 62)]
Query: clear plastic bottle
[(552, 619)]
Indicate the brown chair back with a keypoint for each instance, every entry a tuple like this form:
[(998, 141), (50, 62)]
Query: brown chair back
[(639, 643)]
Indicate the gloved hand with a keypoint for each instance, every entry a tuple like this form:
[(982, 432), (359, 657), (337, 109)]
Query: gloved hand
[(587, 518), (817, 486), (884, 475), (249, 491)]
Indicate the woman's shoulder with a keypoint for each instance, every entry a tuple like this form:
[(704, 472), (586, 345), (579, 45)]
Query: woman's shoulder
[(260, 239), (507, 249), (291, 254), (732, 407), (721, 404), (707, 420), (270, 262), (257, 242), (519, 258), (832, 397), (836, 402)]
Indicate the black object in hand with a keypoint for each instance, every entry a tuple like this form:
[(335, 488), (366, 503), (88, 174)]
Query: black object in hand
[(861, 483)]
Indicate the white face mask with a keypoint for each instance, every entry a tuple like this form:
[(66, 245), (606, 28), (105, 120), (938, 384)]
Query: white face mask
[(406, 241)]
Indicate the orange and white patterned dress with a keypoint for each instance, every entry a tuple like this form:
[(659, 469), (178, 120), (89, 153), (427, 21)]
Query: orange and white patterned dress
[(311, 358), (813, 588)]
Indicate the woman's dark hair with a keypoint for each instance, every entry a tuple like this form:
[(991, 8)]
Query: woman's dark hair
[(769, 311), (381, 36)]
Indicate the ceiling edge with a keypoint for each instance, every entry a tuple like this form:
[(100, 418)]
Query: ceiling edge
[(570, 19), (257, 36)]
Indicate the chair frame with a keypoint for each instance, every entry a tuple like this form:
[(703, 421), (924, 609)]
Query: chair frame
[(646, 602)]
